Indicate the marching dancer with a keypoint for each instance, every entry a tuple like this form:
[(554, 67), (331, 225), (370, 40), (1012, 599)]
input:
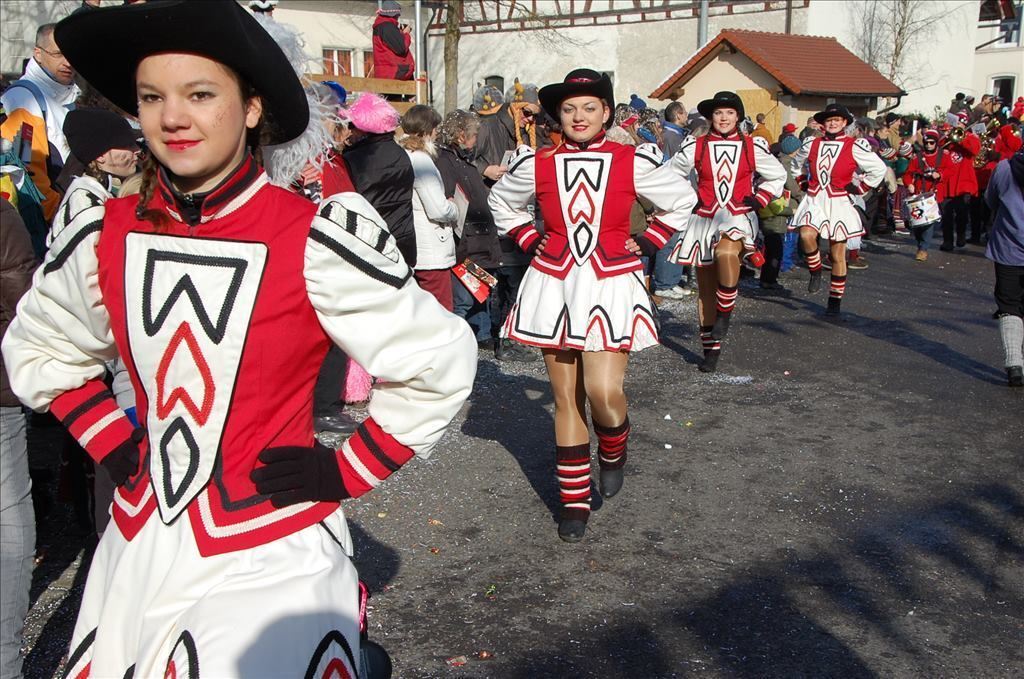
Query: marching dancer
[(221, 294), (583, 300), (826, 210), (724, 225)]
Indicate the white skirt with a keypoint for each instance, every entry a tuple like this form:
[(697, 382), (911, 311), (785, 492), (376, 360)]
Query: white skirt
[(833, 218), (582, 312), (289, 608), (697, 246)]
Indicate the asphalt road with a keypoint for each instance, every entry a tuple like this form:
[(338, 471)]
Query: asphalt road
[(839, 500)]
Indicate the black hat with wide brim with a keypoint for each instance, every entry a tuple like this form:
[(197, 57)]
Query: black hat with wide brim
[(722, 100), (106, 45), (831, 111), (580, 82)]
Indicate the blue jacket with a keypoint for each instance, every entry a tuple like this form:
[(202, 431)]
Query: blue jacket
[(1005, 195)]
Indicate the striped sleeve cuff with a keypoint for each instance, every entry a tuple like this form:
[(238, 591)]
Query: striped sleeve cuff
[(526, 237), (658, 233), (91, 414), (763, 196), (369, 456)]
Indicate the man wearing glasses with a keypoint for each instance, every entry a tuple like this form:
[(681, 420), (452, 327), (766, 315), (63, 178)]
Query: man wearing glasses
[(36, 105)]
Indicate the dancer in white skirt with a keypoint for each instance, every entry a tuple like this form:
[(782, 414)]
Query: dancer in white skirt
[(826, 211), (583, 300), (228, 554), (736, 176)]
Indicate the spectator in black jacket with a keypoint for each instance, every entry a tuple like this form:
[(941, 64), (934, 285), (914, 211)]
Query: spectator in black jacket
[(478, 238), (381, 169)]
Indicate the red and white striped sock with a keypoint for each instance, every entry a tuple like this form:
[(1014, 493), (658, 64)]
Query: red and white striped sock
[(813, 260), (708, 342), (837, 287), (573, 472), (726, 299), (611, 445)]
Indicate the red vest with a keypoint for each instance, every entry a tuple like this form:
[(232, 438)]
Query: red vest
[(725, 173), (831, 165), (586, 196), (239, 275)]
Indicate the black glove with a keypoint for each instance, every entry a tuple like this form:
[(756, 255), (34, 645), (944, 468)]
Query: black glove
[(802, 182), (296, 474), (854, 189), (123, 462), (752, 202), (647, 247)]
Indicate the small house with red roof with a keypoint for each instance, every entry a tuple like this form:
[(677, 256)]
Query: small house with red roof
[(787, 77)]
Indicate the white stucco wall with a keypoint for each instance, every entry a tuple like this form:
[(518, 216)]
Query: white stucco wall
[(329, 30)]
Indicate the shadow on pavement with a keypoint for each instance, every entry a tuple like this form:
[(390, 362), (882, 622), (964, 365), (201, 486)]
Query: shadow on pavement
[(812, 615)]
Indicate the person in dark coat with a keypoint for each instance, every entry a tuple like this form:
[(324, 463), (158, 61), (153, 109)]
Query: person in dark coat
[(381, 169), (392, 57), (514, 124)]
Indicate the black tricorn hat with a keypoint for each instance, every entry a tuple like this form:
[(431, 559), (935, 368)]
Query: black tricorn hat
[(721, 100), (831, 111), (106, 45), (582, 81)]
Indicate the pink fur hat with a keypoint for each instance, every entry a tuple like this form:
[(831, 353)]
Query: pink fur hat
[(371, 113)]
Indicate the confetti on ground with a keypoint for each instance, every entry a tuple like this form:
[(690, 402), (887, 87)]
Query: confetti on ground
[(457, 661), (668, 446)]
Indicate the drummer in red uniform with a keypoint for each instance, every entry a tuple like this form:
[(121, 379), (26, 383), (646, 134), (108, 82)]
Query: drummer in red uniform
[(924, 178)]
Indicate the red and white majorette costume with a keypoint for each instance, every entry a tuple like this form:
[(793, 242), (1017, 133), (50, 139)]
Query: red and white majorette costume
[(826, 207), (222, 325), (726, 167), (585, 290)]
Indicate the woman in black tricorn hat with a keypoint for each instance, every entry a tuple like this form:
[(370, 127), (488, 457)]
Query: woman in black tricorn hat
[(736, 176), (826, 210), (583, 300), (221, 293)]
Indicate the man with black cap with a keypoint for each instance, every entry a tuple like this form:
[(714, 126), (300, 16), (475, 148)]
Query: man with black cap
[(392, 58), (891, 131), (826, 210)]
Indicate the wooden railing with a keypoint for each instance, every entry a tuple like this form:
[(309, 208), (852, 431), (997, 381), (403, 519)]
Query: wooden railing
[(383, 86)]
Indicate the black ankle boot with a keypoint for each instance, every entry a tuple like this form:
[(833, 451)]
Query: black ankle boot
[(721, 327), (814, 284), (833, 306), (573, 524), (610, 482), (710, 362), (1015, 376)]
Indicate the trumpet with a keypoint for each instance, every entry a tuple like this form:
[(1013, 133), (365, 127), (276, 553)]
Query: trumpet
[(955, 136)]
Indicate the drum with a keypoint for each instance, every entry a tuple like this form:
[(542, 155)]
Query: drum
[(922, 210)]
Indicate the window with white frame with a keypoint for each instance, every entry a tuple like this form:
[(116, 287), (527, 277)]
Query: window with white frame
[(337, 61)]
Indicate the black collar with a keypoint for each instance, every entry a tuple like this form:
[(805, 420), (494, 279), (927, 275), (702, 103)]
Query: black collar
[(194, 207)]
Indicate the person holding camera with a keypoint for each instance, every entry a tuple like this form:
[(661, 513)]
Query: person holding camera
[(392, 58)]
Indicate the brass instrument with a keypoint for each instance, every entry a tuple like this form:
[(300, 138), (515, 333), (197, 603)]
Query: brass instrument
[(955, 136), (988, 142)]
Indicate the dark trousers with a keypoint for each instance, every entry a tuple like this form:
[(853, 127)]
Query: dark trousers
[(773, 245), (504, 294), (980, 216), (955, 214), (1009, 292)]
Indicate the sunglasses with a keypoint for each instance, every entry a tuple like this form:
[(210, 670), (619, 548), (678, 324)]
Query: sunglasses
[(527, 113)]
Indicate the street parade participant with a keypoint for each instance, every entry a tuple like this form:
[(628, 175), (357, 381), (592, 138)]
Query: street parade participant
[(961, 183), (1005, 248), (221, 294), (924, 175), (736, 177), (583, 300), (826, 210)]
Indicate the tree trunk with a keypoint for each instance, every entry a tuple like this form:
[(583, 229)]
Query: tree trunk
[(453, 14)]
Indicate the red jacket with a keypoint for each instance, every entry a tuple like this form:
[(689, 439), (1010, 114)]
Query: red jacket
[(961, 178), (939, 161), (392, 58)]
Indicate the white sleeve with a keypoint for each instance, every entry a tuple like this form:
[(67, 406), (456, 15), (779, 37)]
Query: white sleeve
[(429, 189), (768, 167), (667, 186), (60, 337), (796, 166), (514, 192), (869, 162), (365, 299)]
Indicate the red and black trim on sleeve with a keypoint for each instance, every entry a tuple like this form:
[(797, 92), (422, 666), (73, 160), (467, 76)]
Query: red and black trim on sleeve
[(527, 237), (657, 234), (763, 197), (368, 457), (91, 414)]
